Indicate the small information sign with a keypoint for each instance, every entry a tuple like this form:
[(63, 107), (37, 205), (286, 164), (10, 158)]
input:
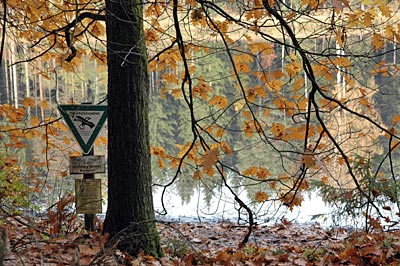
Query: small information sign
[(87, 164), (85, 122), (88, 196)]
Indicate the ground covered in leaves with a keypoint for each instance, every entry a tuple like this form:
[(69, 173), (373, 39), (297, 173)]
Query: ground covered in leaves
[(211, 244)]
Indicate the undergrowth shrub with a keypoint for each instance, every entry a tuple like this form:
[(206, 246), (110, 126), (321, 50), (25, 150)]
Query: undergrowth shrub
[(372, 205)]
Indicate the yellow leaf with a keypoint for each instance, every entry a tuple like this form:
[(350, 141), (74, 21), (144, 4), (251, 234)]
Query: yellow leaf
[(296, 133), (385, 10), (261, 196), (278, 130), (75, 153), (251, 171), (226, 148), (248, 130), (170, 78), (239, 104), (183, 149), (242, 62), (396, 119), (340, 37), (177, 93), (364, 102), (34, 121), (394, 145), (220, 132), (377, 41), (201, 88), (101, 140), (29, 134), (341, 61), (219, 101), (298, 84), (44, 104), (293, 68), (174, 163), (266, 112), (161, 164), (293, 57), (280, 103), (28, 102), (261, 47), (66, 140), (246, 114)]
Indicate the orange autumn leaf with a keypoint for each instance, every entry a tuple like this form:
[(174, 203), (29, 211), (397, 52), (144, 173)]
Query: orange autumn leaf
[(226, 148), (44, 104), (34, 121), (293, 68), (377, 41), (266, 112), (161, 164), (66, 140), (219, 101), (396, 119), (177, 93), (75, 153), (248, 130), (263, 173), (220, 132), (292, 199), (28, 102), (394, 144), (278, 130), (308, 159), (197, 175), (209, 159), (251, 171), (261, 196)]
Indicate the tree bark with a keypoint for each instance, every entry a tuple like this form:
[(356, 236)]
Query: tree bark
[(130, 213)]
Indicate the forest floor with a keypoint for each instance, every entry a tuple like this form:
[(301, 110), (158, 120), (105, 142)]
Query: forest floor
[(207, 243)]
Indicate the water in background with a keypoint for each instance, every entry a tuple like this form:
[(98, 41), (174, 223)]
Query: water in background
[(223, 207)]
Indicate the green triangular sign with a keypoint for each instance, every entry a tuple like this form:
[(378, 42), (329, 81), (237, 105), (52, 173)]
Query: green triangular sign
[(85, 122)]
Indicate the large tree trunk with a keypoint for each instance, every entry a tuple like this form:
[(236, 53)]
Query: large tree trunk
[(130, 213)]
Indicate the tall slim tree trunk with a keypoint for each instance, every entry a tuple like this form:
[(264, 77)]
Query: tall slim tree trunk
[(130, 213), (7, 79), (14, 73), (41, 95)]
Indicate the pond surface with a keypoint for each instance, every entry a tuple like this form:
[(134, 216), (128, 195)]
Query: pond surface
[(312, 210)]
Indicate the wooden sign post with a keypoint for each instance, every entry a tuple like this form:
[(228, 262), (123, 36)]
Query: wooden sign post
[(89, 217), (85, 122)]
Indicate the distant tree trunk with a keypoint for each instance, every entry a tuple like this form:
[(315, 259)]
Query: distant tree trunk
[(130, 213), (7, 79), (41, 95), (14, 73)]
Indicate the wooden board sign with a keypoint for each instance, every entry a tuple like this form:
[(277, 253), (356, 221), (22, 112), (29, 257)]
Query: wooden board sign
[(87, 164), (88, 196)]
